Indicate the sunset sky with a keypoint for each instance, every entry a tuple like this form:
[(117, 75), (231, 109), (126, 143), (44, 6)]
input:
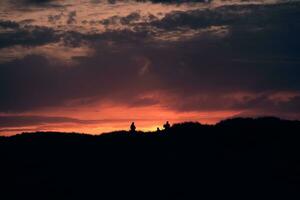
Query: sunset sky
[(95, 66)]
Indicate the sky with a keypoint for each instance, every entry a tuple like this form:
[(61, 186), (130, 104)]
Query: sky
[(95, 66)]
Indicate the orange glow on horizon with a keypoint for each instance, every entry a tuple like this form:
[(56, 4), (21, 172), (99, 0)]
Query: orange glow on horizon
[(107, 118)]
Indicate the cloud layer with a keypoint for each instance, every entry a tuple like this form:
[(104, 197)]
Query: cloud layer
[(192, 58)]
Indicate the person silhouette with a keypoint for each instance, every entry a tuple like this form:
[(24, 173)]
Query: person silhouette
[(132, 128), (167, 125)]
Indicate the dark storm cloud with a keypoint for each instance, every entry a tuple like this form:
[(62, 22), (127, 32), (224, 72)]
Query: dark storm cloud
[(256, 52)]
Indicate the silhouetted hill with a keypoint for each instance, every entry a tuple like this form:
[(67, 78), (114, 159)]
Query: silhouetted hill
[(241, 158)]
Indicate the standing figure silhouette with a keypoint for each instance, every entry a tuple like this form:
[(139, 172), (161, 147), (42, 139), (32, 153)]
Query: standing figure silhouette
[(132, 128), (167, 125)]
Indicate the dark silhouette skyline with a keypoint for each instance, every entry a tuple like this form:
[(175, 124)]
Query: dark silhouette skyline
[(240, 158)]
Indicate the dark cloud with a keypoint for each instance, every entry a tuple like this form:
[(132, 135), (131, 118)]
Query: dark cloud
[(27, 35), (130, 18), (23, 121), (257, 103), (232, 49), (39, 1), (33, 82), (25, 84), (55, 18), (267, 42), (49, 2), (71, 17), (165, 1), (18, 130), (35, 2), (144, 102), (175, 1), (133, 19), (246, 16), (8, 24)]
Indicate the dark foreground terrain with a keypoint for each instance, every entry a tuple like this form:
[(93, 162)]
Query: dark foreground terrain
[(238, 158)]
